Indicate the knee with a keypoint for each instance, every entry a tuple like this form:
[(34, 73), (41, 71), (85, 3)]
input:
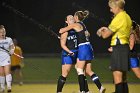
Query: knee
[(80, 71)]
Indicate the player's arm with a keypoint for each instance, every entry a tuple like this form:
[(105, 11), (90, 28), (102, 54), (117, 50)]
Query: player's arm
[(131, 41), (21, 58), (68, 28), (63, 40), (104, 32)]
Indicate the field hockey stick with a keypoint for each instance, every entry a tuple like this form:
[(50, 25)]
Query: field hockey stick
[(13, 53), (42, 27), (18, 55)]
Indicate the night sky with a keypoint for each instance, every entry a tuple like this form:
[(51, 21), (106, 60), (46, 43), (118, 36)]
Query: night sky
[(23, 20)]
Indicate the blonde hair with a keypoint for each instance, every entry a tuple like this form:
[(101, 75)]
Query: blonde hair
[(119, 3), (82, 14)]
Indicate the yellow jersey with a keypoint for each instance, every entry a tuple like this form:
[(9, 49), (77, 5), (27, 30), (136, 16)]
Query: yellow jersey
[(15, 60), (121, 26)]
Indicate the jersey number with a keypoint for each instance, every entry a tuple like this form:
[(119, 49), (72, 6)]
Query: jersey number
[(75, 43)]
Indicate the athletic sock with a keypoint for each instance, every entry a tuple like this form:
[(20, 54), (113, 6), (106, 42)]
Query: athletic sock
[(86, 85), (125, 87), (2, 82), (119, 88), (81, 80), (9, 80), (96, 80), (60, 84)]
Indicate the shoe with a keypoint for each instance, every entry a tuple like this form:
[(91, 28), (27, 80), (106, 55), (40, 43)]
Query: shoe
[(9, 90), (102, 90)]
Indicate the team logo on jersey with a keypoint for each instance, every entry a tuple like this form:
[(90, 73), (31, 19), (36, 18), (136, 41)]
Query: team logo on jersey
[(72, 37)]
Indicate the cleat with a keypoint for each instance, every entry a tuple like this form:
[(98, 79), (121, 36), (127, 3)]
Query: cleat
[(9, 90), (102, 90)]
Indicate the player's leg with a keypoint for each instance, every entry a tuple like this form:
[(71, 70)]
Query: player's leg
[(66, 62), (8, 77), (94, 77), (19, 75), (136, 71), (134, 64), (62, 79), (125, 85), (2, 79), (117, 75), (86, 83), (119, 65), (81, 77), (85, 52)]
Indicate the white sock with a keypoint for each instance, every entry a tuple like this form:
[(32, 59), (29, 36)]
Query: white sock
[(2, 82), (9, 80)]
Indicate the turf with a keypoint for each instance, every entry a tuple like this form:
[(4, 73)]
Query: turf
[(40, 76), (68, 88), (47, 70)]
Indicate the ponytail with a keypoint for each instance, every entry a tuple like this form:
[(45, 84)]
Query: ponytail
[(82, 15), (86, 13)]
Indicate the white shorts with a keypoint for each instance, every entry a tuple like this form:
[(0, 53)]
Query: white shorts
[(5, 62)]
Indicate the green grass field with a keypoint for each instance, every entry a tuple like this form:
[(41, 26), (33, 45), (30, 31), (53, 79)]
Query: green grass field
[(68, 88), (40, 76), (47, 70)]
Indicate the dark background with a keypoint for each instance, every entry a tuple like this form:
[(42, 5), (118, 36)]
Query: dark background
[(51, 13)]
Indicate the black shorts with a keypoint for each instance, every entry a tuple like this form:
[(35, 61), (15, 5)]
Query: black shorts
[(120, 58), (13, 68)]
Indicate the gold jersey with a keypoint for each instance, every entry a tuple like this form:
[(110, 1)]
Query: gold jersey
[(15, 60)]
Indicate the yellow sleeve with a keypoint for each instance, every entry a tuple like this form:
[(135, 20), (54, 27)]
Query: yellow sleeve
[(116, 23)]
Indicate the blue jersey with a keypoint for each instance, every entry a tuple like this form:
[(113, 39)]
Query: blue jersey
[(71, 43)]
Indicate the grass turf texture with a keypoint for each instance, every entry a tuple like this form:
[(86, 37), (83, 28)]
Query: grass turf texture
[(47, 70), (68, 88)]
